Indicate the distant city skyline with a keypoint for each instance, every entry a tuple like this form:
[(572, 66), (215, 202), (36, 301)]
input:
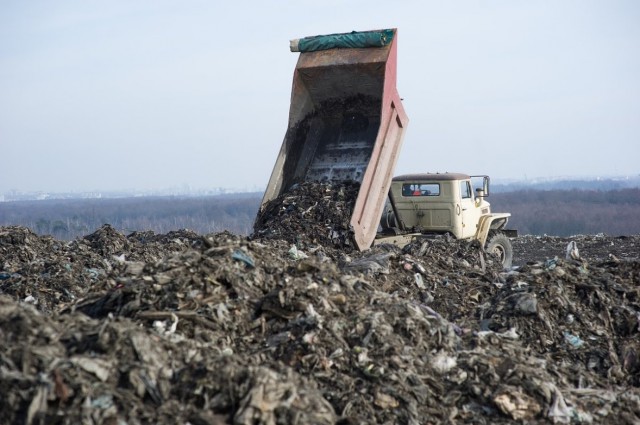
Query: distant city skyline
[(155, 94)]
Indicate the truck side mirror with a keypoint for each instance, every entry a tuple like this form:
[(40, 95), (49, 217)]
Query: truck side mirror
[(481, 192), (485, 186)]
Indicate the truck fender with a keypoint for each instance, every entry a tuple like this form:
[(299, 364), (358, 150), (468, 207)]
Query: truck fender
[(490, 222)]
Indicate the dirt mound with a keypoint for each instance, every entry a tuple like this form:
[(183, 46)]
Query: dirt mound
[(221, 329)]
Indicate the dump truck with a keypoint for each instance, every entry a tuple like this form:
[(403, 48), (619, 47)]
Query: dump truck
[(347, 123)]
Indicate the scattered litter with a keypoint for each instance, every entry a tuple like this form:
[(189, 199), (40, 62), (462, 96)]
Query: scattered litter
[(574, 340), (242, 256), (296, 254), (572, 251)]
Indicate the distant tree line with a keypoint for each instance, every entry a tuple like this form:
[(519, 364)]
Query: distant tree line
[(599, 185), (571, 212), (72, 218), (554, 212)]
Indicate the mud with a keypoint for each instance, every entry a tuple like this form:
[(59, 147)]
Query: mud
[(290, 327)]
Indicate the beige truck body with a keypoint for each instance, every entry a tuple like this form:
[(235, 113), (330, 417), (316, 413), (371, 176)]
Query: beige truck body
[(421, 205)]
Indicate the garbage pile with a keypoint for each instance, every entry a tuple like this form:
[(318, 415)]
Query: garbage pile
[(50, 273), (218, 328), (579, 313), (311, 214), (590, 247)]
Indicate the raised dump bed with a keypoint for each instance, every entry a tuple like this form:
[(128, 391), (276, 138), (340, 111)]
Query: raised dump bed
[(346, 121)]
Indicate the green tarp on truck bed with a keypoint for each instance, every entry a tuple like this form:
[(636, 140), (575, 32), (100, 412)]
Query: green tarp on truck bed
[(355, 39)]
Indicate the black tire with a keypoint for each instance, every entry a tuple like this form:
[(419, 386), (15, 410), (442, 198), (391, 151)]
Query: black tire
[(500, 245)]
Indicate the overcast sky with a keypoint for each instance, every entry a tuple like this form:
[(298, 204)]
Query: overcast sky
[(112, 95)]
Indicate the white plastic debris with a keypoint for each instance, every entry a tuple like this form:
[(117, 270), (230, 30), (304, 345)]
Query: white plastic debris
[(296, 254), (572, 251), (443, 362)]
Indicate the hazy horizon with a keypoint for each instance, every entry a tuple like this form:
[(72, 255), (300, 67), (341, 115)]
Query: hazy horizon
[(152, 95), (598, 183)]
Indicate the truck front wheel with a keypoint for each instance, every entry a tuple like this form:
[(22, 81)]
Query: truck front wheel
[(500, 245)]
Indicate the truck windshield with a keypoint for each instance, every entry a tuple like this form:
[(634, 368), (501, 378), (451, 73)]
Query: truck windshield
[(420, 189)]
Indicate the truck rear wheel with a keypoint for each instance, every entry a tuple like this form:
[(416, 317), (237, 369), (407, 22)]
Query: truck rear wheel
[(500, 245)]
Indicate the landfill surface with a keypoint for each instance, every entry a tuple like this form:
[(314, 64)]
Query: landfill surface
[(289, 327)]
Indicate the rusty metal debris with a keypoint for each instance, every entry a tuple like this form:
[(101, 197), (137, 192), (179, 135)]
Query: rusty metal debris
[(211, 329)]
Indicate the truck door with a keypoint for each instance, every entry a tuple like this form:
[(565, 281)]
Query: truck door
[(468, 210)]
